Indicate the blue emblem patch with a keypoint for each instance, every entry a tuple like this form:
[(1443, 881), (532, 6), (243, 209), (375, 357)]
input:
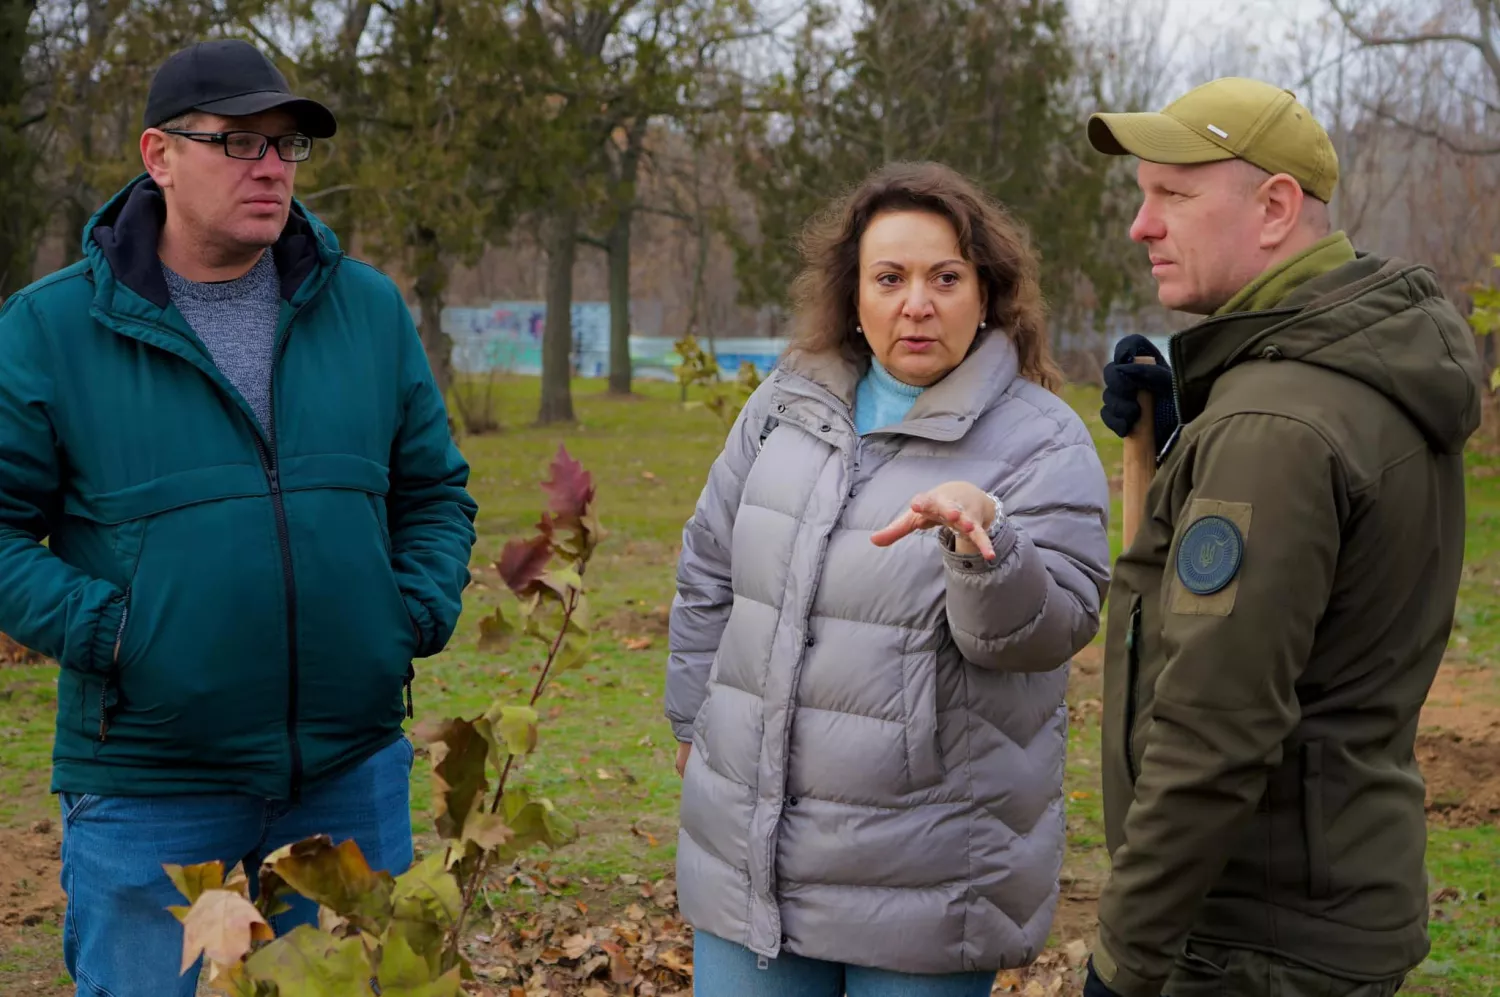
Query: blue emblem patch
[(1210, 555)]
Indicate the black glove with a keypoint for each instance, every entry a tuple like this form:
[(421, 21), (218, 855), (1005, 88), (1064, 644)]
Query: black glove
[(1093, 986), (1123, 378)]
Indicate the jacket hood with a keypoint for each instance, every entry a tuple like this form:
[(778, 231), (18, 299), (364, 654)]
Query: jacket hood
[(120, 244), (1383, 322)]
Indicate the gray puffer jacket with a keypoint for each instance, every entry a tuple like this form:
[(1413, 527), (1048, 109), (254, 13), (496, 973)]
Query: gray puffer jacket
[(879, 733)]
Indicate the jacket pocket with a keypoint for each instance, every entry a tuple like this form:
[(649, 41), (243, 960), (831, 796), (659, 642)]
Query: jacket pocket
[(382, 522), (383, 528), (109, 695), (1313, 833), (924, 756), (204, 625), (1132, 679)]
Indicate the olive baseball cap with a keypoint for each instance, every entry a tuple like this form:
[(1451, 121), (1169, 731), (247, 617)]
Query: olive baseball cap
[(1228, 118)]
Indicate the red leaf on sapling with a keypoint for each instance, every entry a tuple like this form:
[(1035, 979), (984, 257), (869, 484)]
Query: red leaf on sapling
[(522, 562), (569, 490)]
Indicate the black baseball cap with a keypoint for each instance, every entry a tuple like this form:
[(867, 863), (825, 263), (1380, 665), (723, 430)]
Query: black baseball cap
[(231, 78)]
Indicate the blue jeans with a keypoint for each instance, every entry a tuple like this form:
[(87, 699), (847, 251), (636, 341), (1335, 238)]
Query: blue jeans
[(119, 940), (724, 969)]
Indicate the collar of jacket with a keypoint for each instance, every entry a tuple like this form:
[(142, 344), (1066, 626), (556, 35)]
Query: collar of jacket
[(823, 384), (1273, 286), (1201, 354), (120, 243)]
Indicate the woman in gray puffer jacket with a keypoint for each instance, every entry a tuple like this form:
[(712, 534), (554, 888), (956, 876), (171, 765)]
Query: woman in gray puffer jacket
[(893, 560)]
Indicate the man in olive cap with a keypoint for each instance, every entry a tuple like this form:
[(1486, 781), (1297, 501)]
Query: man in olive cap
[(227, 433), (1276, 624)]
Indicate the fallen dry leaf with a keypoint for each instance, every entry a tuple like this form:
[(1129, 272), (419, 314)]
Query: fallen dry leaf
[(576, 945), (637, 643)]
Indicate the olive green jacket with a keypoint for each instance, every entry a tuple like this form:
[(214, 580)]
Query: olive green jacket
[(1275, 627)]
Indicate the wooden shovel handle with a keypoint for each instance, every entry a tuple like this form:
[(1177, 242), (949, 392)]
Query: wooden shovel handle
[(1140, 464)]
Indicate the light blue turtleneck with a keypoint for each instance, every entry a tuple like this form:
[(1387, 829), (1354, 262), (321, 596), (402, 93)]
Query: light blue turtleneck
[(882, 400)]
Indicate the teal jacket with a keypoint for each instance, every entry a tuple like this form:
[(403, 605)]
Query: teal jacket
[(234, 608)]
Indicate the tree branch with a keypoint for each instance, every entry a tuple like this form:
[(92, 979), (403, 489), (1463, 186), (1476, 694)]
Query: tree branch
[(327, 191), (1480, 43), (1431, 133), (681, 216), (269, 43)]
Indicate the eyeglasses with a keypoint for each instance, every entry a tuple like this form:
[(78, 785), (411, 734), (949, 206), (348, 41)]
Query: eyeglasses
[(253, 145)]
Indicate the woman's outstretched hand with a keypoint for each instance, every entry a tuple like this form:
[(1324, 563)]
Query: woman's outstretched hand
[(963, 508)]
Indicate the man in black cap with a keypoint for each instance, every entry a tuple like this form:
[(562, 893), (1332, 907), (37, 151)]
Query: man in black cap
[(228, 435)]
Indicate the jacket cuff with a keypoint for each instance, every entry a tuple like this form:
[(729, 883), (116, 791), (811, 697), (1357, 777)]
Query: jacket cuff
[(1117, 978), (683, 731), (423, 623), (1002, 537)]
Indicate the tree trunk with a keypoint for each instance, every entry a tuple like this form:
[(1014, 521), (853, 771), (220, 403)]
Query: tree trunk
[(619, 256), (619, 304), (19, 197), (557, 333), (431, 288)]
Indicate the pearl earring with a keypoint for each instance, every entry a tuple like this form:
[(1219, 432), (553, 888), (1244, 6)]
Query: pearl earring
[(859, 330)]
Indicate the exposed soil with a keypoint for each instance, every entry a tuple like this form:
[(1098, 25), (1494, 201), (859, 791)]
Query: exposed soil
[(29, 890), (1459, 747)]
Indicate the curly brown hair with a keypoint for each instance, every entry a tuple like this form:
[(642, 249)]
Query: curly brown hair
[(826, 291)]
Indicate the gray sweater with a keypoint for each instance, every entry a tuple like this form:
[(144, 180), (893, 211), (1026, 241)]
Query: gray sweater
[(236, 319), (879, 733)]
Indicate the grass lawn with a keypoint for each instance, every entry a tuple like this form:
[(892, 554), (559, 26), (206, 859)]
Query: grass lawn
[(605, 756)]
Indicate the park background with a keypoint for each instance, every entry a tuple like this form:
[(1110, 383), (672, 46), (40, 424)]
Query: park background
[(577, 195)]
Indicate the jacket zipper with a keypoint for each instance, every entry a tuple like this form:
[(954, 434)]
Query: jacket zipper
[(114, 664), (271, 465), (807, 641)]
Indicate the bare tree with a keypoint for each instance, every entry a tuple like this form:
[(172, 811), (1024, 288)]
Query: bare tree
[(1468, 102)]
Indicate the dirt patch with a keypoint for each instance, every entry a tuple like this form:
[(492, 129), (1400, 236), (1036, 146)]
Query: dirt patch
[(1458, 747), (12, 653), (29, 890), (1465, 702), (1463, 779), (638, 620)]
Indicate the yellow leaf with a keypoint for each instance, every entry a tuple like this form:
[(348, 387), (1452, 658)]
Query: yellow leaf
[(221, 926), (193, 880), (487, 830), (517, 725), (309, 963), (495, 632), (1078, 795), (337, 877)]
